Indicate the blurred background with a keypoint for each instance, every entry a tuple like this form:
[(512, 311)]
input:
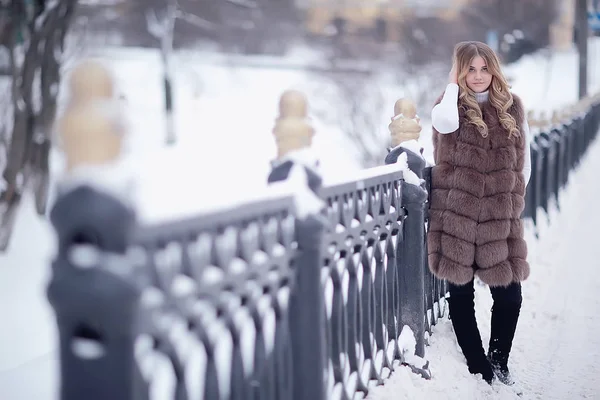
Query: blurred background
[(199, 82), (353, 51)]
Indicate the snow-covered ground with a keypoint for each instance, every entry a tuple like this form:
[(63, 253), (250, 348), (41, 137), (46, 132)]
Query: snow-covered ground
[(225, 117)]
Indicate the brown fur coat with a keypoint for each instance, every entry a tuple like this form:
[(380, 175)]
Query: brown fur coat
[(477, 198)]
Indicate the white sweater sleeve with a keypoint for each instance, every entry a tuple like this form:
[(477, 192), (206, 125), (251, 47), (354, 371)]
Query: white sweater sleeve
[(527, 161), (444, 116)]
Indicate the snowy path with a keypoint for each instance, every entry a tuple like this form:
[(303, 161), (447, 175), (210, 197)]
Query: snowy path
[(563, 304), (557, 346)]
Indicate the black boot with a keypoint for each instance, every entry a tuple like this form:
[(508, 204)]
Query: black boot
[(504, 324), (462, 315)]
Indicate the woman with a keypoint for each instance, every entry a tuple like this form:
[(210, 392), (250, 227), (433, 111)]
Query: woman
[(481, 152)]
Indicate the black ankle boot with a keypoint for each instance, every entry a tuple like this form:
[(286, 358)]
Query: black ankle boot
[(483, 367), (462, 315), (503, 374)]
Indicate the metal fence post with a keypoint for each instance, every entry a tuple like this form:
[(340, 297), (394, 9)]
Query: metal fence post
[(95, 305), (307, 308), (414, 258), (411, 257), (534, 183), (92, 290), (307, 314), (556, 167), (580, 138)]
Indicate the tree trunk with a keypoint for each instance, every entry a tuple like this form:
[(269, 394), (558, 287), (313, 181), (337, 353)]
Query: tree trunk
[(28, 152), (13, 172), (58, 22)]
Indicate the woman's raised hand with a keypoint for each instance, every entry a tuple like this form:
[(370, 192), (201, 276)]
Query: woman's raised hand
[(453, 75)]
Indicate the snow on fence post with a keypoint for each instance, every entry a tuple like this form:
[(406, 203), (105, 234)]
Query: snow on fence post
[(411, 257), (297, 165), (91, 289)]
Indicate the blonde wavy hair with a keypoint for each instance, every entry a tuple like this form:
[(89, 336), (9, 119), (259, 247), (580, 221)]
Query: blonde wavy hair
[(500, 96)]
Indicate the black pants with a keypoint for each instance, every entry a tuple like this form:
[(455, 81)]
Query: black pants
[(502, 296), (505, 314)]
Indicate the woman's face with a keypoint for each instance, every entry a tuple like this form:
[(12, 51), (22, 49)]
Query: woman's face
[(478, 77)]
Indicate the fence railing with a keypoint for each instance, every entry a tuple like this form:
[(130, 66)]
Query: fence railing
[(556, 151), (316, 291)]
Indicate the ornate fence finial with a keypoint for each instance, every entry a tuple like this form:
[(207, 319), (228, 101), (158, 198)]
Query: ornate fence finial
[(292, 131), (90, 80), (89, 129), (405, 124), (90, 135)]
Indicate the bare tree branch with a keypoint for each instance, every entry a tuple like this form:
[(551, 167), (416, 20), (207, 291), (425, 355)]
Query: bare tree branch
[(163, 29), (243, 3), (195, 20)]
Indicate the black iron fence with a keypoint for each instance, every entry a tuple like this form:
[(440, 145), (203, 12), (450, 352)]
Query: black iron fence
[(252, 302), (257, 301), (556, 152)]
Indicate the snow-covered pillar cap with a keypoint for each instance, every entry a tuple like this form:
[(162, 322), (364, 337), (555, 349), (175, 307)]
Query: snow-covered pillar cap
[(292, 130), (406, 124)]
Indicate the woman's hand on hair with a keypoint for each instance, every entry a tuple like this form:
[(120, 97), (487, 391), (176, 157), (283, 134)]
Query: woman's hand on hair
[(453, 75)]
